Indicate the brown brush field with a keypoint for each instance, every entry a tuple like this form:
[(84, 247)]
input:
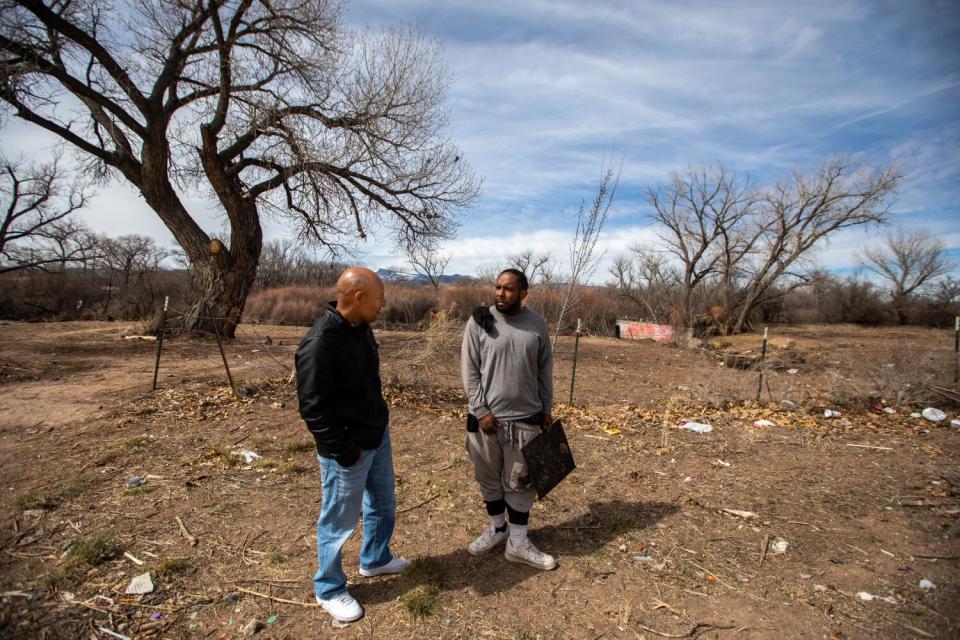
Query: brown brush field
[(646, 549)]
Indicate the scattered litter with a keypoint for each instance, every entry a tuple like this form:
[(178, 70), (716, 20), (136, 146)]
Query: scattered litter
[(778, 547), (844, 422), (787, 404), (722, 463), (134, 481), (643, 558), (623, 547), (132, 558), (248, 456), (340, 625), (889, 410), (112, 633), (915, 414), (831, 413), (821, 588), (955, 424), (936, 482), (688, 479), (156, 615), (806, 576), (277, 405), (933, 415), (868, 597), (793, 372), (613, 431), (140, 584), (746, 515), (926, 584), (67, 596), (764, 423), (683, 388), (272, 619), (252, 628), (698, 427)]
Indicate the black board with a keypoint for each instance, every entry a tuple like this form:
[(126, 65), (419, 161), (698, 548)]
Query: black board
[(549, 459)]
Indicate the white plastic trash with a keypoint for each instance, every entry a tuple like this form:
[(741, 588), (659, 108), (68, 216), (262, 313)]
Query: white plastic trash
[(763, 423), (778, 546), (955, 424), (926, 584), (867, 597), (933, 415), (831, 413), (698, 427)]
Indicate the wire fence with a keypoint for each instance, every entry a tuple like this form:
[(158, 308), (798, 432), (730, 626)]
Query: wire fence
[(846, 364)]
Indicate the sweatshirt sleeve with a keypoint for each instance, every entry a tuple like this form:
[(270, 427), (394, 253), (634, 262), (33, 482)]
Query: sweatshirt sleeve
[(316, 393), (545, 367), (470, 370)]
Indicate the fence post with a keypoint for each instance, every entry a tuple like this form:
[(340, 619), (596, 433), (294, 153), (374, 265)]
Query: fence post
[(216, 332), (576, 348), (163, 323), (763, 358), (956, 350)]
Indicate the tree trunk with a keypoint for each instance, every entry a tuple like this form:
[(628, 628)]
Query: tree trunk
[(222, 294)]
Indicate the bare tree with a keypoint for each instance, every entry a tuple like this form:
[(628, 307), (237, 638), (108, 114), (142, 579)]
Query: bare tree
[(699, 210), (538, 267), (269, 107), (646, 280), (36, 200), (583, 257), (800, 212), (429, 263), (908, 260)]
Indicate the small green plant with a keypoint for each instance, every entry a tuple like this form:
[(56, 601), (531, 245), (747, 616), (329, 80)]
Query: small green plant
[(298, 447), (275, 557), (230, 459), (80, 558), (36, 499), (422, 581), (619, 523), (421, 601), (170, 567), (141, 490), (135, 442), (292, 468)]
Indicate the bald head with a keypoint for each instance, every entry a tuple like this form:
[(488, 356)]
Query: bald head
[(359, 295)]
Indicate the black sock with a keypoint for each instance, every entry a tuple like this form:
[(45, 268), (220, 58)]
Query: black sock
[(517, 517)]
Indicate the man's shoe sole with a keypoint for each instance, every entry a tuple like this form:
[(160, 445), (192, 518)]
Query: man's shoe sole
[(530, 564), (344, 620)]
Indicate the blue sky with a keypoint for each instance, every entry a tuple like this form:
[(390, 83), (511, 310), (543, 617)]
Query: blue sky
[(543, 92)]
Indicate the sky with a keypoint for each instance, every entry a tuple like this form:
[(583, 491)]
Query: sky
[(544, 94)]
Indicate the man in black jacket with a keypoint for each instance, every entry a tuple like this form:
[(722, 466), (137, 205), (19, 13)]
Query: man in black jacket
[(338, 385)]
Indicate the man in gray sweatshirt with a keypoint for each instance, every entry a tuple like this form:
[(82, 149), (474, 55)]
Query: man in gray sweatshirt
[(507, 367)]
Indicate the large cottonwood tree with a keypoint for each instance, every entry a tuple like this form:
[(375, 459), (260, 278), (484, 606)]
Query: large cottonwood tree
[(268, 107)]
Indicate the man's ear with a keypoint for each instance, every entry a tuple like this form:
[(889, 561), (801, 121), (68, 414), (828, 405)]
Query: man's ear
[(523, 294)]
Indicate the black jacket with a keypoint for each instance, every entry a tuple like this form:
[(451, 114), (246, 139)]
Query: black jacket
[(338, 386)]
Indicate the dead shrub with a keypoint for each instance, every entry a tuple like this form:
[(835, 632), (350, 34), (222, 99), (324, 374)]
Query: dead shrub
[(288, 305)]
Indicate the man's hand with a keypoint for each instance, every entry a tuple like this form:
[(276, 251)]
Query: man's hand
[(547, 421), (489, 424)]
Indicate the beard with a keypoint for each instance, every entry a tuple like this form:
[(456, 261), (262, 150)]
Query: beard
[(509, 309)]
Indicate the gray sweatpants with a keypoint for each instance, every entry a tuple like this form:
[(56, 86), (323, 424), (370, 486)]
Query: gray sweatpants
[(499, 466)]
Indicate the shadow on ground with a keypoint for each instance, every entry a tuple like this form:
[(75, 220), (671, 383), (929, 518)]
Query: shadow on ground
[(580, 536)]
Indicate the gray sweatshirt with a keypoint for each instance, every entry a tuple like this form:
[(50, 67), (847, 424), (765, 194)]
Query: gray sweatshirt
[(508, 372)]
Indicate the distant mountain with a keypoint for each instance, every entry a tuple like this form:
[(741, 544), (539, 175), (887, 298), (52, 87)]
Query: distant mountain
[(389, 275)]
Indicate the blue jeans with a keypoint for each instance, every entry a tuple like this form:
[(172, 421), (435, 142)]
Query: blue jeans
[(369, 484)]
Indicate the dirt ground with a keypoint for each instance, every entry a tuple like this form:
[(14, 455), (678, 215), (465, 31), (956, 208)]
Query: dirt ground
[(646, 530)]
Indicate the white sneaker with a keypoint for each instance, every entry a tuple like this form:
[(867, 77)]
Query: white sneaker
[(489, 539), (397, 565), (529, 554), (343, 607)]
